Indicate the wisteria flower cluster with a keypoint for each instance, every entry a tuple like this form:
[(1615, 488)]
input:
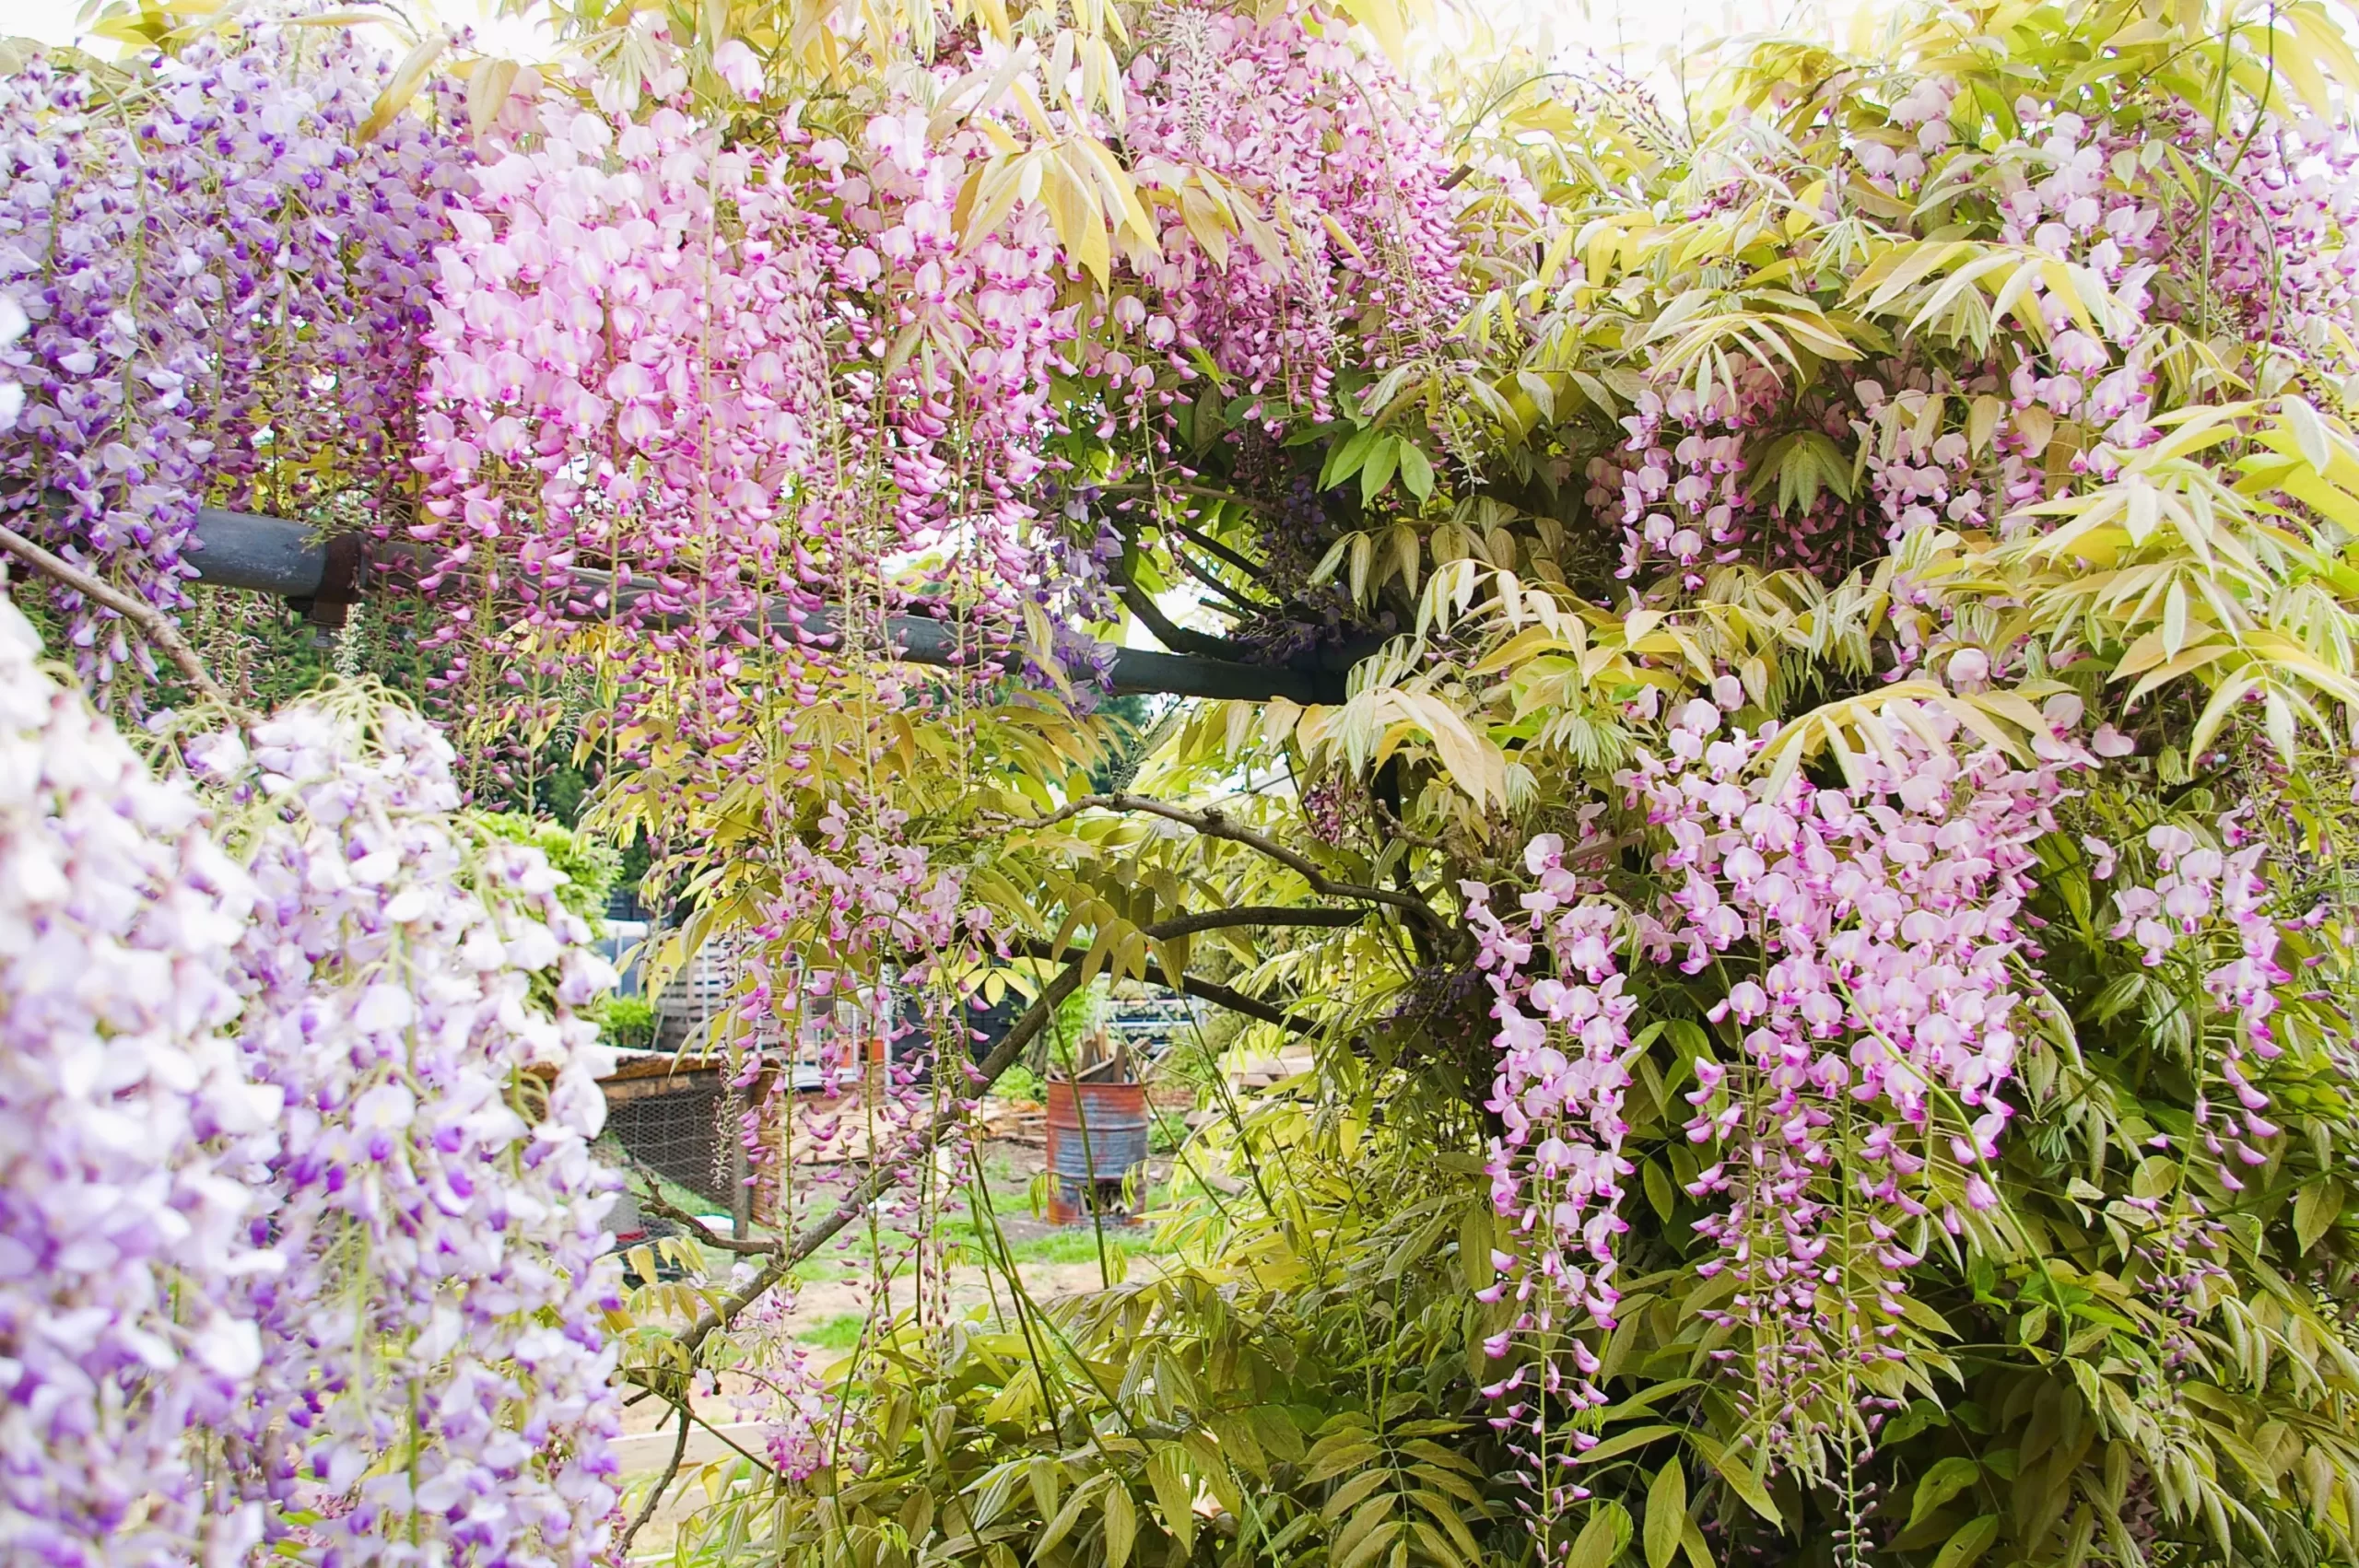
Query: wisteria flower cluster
[(1556, 1168), (1678, 483), (1881, 1010), (126, 1244), (302, 1228), (224, 285), (434, 1360), (855, 924), (2200, 892), (1878, 933), (1325, 222), (616, 381)]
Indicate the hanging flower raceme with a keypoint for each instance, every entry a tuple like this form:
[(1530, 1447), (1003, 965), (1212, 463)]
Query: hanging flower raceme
[(861, 931), (636, 412), (124, 1250), (1556, 1167), (1309, 207), (2205, 904), (964, 331), (1866, 944), (224, 286), (622, 382), (1680, 478), (434, 1367)]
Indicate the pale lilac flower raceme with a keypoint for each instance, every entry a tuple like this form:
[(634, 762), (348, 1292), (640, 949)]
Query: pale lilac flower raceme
[(126, 1253), (13, 323), (434, 1365)]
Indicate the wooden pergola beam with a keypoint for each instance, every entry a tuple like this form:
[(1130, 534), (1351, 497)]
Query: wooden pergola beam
[(275, 556)]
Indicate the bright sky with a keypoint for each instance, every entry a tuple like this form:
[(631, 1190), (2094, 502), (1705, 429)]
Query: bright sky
[(54, 21), (1641, 33)]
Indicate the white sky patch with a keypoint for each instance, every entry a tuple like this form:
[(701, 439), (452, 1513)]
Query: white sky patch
[(62, 22)]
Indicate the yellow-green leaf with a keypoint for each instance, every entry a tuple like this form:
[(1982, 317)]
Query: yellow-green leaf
[(1601, 1540), (1973, 1538), (1666, 1513), (2317, 1208), (1121, 1525)]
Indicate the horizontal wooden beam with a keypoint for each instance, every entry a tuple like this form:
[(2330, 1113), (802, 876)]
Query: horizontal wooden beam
[(271, 555)]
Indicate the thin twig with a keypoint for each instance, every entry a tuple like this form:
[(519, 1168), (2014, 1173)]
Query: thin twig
[(1155, 489), (654, 1203), (1190, 984), (1173, 636), (153, 624), (883, 1174), (886, 1174), (655, 1494), (1205, 577), (1256, 572)]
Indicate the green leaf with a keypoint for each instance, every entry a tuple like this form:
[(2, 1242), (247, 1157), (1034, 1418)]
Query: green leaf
[(1659, 1192), (1377, 473), (2316, 1209), (1973, 1538), (1353, 1492), (1166, 1472), (1943, 1482), (1746, 1484), (1344, 460), (1666, 1514), (1416, 472), (1622, 1442), (1121, 1525), (2309, 433), (1067, 1517), (1602, 1538), (1367, 1547), (1043, 1476), (1344, 1457), (1920, 1415), (1474, 1235)]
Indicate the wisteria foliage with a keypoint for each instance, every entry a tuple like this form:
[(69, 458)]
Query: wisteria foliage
[(1819, 904)]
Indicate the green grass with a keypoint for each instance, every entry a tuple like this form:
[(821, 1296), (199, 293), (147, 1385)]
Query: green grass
[(1078, 1243), (840, 1332)]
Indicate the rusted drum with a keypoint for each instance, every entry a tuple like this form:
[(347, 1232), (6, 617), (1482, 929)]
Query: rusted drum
[(1109, 1146)]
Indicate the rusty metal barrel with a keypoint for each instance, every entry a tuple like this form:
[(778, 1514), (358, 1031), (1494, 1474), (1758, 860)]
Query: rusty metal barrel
[(1096, 1137)]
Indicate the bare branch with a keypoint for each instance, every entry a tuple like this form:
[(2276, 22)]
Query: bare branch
[(1217, 548), (654, 1202), (153, 624), (1204, 576), (1213, 824), (1251, 915), (1173, 636), (1191, 985), (655, 1494)]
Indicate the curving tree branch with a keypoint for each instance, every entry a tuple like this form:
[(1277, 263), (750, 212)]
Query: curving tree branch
[(1173, 636), (884, 1174), (152, 623), (654, 1202), (1237, 1002), (1213, 824), (655, 1493)]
